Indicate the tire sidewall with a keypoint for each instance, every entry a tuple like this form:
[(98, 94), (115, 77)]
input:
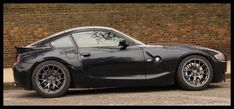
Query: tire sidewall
[(59, 93), (179, 77)]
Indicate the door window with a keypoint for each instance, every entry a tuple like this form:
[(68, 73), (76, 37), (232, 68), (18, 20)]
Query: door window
[(96, 39)]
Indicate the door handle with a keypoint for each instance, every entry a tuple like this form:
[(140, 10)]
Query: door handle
[(86, 54)]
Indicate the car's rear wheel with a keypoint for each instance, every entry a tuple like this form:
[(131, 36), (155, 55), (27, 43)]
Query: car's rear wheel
[(51, 79), (194, 73)]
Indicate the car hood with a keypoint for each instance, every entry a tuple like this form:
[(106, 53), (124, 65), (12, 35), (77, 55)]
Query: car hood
[(185, 47)]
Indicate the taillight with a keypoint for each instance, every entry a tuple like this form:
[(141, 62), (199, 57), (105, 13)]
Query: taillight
[(17, 58)]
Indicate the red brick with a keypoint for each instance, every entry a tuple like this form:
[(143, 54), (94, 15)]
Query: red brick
[(200, 24)]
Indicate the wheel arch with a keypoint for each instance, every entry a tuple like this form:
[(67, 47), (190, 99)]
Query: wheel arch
[(54, 59), (181, 58)]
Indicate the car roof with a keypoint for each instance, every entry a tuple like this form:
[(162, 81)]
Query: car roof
[(89, 27)]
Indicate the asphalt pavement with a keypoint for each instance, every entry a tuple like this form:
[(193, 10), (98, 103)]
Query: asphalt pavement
[(215, 94)]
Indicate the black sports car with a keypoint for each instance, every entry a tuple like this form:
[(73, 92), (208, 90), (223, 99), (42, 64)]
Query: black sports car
[(104, 57)]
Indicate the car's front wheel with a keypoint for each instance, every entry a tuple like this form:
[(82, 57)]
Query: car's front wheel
[(51, 79), (194, 73)]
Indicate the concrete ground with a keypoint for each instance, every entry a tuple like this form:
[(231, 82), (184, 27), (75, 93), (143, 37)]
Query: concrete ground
[(215, 94)]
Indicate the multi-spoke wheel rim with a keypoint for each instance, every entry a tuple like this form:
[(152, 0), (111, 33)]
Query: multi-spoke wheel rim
[(51, 78), (196, 72)]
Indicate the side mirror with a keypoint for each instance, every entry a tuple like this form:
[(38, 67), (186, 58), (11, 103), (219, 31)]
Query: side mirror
[(123, 44)]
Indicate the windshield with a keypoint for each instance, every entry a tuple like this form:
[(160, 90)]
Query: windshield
[(134, 40)]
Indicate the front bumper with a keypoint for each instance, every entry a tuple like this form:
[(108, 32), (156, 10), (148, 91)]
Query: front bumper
[(220, 69)]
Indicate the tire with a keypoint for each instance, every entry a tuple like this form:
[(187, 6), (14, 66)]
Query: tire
[(184, 72), (51, 79)]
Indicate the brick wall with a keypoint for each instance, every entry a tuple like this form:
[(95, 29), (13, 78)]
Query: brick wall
[(207, 25)]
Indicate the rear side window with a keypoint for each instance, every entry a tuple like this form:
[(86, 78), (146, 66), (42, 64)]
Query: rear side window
[(62, 42)]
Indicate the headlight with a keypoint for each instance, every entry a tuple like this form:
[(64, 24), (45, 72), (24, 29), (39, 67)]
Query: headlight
[(220, 57)]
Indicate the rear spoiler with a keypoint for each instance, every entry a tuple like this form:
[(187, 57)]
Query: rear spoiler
[(26, 49)]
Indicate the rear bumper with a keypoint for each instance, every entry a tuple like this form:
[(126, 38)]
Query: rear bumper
[(220, 69), (22, 77)]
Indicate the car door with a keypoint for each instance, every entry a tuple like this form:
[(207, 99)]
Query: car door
[(102, 58)]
